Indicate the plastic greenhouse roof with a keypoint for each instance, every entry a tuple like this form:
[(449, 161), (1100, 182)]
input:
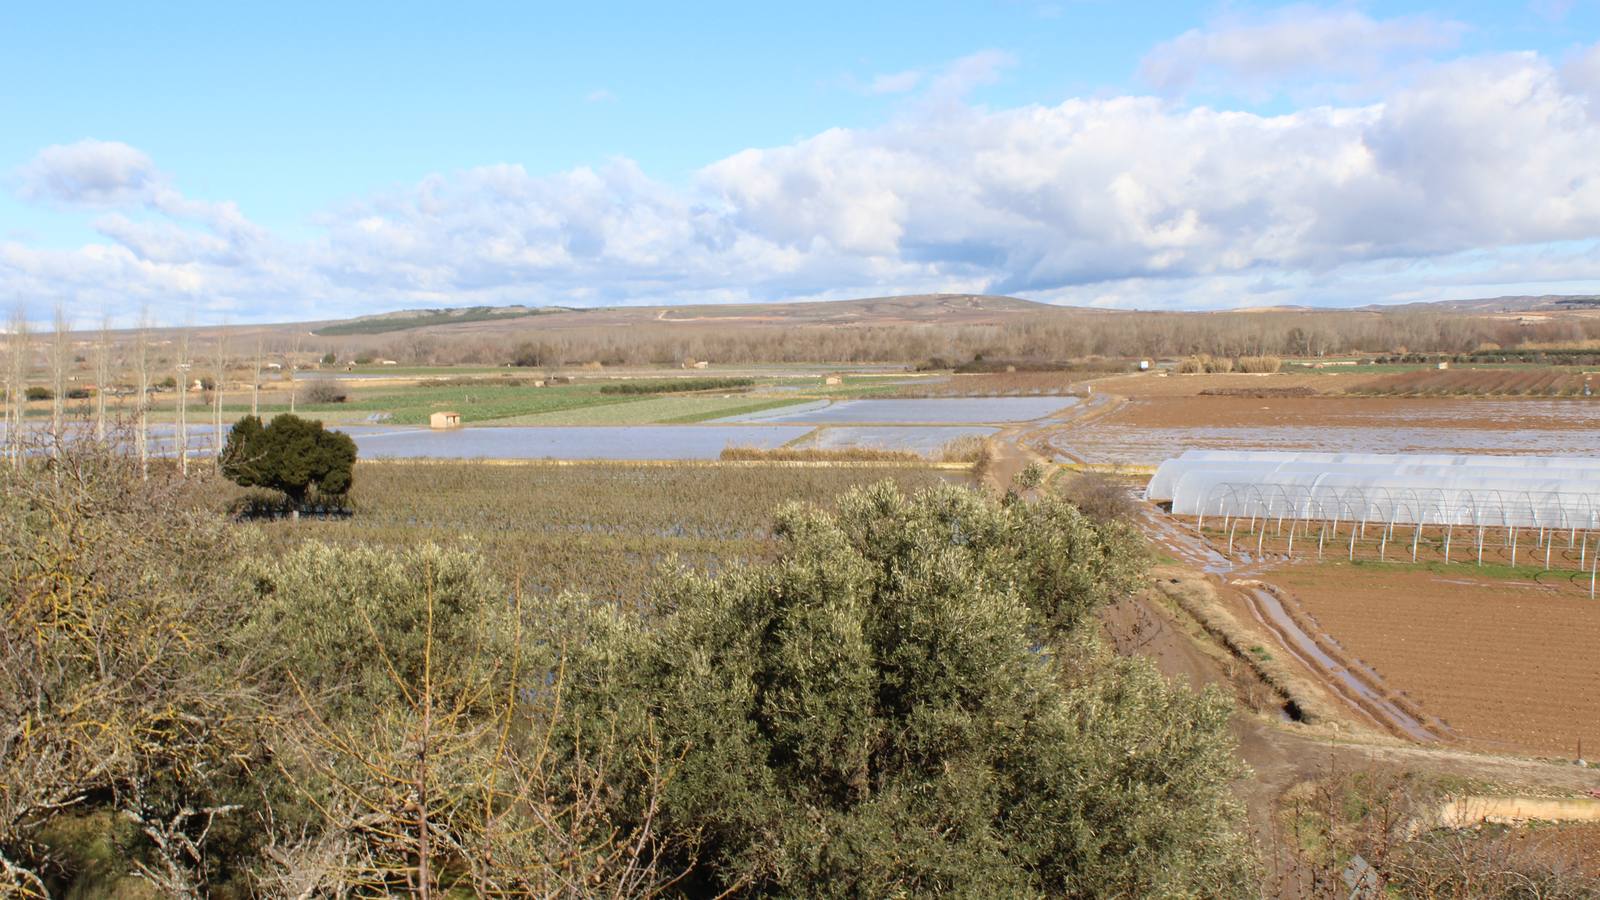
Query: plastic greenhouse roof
[(1534, 491)]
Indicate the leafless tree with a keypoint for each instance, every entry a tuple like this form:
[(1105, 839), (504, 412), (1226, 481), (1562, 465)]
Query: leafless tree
[(102, 376), (60, 359), (255, 383), (219, 379), (141, 355), (289, 364), (181, 376), (16, 399)]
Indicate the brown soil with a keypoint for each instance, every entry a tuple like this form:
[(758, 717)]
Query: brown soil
[(1151, 385), (1509, 666)]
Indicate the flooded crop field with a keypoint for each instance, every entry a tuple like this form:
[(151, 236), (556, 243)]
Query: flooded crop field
[(925, 411), (1150, 429), (923, 439)]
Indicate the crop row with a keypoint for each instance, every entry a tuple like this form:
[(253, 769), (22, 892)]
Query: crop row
[(1481, 383)]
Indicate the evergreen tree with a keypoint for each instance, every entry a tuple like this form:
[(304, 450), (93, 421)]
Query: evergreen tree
[(290, 454)]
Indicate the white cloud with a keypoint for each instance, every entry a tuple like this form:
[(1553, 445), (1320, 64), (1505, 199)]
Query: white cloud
[(599, 95), (1460, 177), (1293, 42), (88, 173)]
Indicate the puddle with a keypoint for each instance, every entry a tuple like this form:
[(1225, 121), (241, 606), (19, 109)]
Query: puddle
[(1269, 611)]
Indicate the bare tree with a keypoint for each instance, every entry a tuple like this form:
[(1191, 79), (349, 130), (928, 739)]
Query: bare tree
[(289, 363), (17, 383), (60, 358), (102, 376), (141, 354), (181, 369), (255, 383), (218, 383)]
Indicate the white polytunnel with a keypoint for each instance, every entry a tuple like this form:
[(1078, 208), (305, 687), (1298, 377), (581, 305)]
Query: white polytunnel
[(1425, 489)]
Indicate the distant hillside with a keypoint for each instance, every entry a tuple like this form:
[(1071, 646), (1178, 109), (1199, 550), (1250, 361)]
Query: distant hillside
[(920, 308), (1520, 304), (406, 320)]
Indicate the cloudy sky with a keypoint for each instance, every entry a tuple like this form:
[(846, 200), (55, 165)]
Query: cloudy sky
[(288, 161)]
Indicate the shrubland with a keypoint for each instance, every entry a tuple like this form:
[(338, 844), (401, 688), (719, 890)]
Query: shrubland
[(900, 694)]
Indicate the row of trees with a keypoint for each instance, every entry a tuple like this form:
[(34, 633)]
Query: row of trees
[(907, 700), (121, 364), (1047, 335)]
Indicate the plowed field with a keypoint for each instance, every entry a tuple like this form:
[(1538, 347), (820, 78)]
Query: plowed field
[(1508, 665)]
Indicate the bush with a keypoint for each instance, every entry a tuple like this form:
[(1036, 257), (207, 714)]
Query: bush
[(129, 724), (35, 393), (1100, 497), (324, 391), (292, 455), (876, 714), (1258, 364)]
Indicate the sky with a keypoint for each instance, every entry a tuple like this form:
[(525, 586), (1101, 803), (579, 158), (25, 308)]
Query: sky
[(242, 162)]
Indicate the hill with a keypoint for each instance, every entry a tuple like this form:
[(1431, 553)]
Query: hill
[(898, 310), (1515, 304)]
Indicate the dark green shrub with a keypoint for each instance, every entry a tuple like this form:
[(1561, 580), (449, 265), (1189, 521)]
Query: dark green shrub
[(292, 455)]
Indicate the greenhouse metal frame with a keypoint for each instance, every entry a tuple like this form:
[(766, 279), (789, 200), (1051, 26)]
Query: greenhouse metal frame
[(1319, 492)]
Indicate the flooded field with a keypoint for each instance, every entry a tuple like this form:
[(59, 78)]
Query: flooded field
[(1149, 430), (926, 440), (931, 411)]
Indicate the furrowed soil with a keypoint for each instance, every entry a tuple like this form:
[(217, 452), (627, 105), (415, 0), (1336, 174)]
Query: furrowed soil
[(1509, 666)]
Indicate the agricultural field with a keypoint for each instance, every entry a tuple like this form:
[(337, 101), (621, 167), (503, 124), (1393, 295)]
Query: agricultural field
[(1482, 383), (601, 529), (1507, 663), (668, 410), (1147, 429), (1007, 384)]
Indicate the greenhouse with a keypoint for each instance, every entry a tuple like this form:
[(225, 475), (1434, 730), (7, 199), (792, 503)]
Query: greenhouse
[(1556, 493)]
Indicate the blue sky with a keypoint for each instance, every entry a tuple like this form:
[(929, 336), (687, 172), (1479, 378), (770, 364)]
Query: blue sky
[(261, 162)]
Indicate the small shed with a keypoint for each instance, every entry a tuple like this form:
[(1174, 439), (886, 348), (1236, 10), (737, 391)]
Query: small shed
[(1444, 364), (445, 420), (701, 364), (1144, 365), (832, 380)]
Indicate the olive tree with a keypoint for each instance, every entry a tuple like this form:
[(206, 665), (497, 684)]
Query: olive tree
[(906, 702)]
